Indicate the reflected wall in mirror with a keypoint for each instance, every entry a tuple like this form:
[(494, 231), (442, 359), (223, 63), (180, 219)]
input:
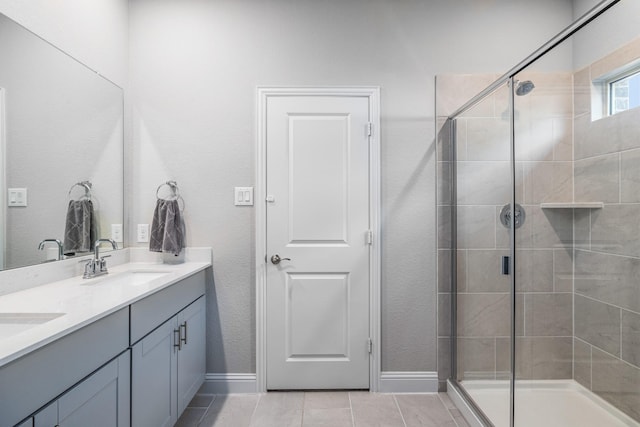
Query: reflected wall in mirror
[(61, 123)]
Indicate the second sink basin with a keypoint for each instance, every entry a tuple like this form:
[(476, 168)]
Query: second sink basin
[(14, 323)]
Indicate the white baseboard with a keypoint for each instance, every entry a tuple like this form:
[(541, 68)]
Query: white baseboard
[(229, 383), (408, 382), (390, 382)]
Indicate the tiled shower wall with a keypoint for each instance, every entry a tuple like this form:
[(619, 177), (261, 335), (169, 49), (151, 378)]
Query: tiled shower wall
[(544, 174), (607, 255)]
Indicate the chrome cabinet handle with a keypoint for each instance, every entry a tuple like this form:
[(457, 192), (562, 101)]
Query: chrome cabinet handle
[(183, 339), (275, 259)]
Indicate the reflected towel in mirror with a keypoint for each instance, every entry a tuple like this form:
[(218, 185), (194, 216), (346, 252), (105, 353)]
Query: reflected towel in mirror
[(166, 229), (80, 227)]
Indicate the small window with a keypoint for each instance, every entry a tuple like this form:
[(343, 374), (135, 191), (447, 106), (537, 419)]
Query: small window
[(624, 92)]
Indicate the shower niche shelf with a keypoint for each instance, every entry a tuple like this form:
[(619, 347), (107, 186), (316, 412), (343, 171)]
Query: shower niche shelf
[(573, 205)]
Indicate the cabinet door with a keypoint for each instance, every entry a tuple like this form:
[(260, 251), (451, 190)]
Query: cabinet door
[(101, 400), (48, 417), (191, 359), (154, 378)]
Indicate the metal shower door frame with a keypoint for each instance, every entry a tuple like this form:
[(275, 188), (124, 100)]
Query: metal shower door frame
[(507, 78)]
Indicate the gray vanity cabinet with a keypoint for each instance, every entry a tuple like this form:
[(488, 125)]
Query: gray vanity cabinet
[(153, 382), (168, 367), (132, 367), (192, 356), (32, 381), (167, 361), (101, 400)]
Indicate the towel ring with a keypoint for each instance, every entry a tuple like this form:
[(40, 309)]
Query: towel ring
[(86, 185), (174, 194)]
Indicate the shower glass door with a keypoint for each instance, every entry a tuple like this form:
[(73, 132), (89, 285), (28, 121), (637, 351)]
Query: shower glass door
[(546, 171), (543, 134), (483, 176), (577, 158)]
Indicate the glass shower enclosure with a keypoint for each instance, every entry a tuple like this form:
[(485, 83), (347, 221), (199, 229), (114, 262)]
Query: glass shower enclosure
[(539, 233)]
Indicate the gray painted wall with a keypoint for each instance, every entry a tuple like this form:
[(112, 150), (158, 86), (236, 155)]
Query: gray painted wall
[(195, 66), (610, 31)]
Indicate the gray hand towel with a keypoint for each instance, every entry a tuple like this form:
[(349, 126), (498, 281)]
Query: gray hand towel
[(80, 227), (166, 229)]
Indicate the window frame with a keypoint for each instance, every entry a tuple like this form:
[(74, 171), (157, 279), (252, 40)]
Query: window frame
[(632, 70)]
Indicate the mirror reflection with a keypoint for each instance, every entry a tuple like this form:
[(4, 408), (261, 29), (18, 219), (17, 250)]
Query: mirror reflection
[(61, 152)]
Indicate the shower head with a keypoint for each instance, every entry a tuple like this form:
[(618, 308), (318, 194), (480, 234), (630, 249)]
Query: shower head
[(523, 88)]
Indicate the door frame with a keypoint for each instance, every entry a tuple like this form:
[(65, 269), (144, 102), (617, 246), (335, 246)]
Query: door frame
[(3, 178), (262, 96)]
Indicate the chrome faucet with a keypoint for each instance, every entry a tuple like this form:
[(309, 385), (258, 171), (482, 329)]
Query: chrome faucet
[(96, 247), (98, 265), (56, 241)]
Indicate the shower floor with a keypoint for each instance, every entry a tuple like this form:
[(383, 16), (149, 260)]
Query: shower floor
[(549, 403)]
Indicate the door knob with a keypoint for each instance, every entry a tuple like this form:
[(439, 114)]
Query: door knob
[(275, 259)]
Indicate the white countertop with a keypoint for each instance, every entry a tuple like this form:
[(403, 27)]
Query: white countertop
[(84, 301)]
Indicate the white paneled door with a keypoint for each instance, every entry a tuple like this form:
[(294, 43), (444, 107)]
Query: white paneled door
[(317, 242)]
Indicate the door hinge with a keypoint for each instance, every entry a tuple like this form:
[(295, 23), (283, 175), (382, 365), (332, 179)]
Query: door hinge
[(369, 129), (369, 345), (369, 237)]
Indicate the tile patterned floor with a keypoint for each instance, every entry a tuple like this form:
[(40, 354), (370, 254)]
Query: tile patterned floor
[(322, 409)]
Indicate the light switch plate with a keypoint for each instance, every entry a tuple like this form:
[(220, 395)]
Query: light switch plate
[(243, 196), (16, 197)]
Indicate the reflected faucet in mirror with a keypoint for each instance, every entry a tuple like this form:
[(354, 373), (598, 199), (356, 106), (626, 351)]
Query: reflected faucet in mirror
[(57, 242), (98, 265)]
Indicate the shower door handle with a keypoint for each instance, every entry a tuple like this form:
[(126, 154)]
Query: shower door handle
[(504, 265)]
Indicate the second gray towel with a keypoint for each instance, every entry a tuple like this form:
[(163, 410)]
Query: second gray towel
[(80, 227), (166, 229)]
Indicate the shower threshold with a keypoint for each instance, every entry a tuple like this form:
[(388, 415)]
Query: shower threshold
[(549, 403)]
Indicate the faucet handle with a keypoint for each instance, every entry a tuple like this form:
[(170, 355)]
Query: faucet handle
[(89, 268), (103, 263)]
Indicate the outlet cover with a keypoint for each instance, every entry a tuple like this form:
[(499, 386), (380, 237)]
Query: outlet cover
[(143, 233), (116, 233)]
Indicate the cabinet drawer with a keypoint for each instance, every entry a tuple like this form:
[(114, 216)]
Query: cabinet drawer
[(148, 313), (47, 372)]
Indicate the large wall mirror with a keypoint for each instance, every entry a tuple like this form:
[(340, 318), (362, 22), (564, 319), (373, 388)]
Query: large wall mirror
[(61, 145)]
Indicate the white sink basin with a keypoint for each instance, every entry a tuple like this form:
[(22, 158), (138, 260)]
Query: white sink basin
[(14, 323), (132, 278), (143, 276)]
